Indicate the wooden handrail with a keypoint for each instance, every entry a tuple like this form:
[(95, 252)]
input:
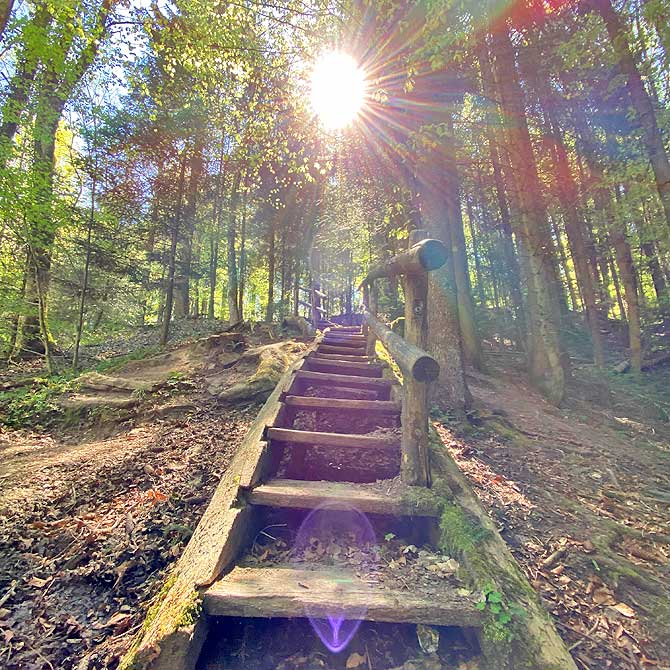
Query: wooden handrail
[(410, 359), (422, 257)]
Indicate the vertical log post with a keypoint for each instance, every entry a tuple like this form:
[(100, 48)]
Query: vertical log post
[(415, 465), (315, 288), (372, 306)]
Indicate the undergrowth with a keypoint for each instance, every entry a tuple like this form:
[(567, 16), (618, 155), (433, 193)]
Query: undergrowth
[(35, 405)]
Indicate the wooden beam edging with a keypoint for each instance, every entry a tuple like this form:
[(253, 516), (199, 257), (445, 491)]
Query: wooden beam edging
[(467, 532), (175, 628), (410, 359), (424, 256)]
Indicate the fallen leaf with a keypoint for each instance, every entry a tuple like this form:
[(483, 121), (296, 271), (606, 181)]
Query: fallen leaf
[(602, 597), (37, 582), (624, 609), (355, 661)]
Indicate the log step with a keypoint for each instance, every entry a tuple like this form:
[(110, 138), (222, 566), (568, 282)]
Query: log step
[(340, 440), (386, 497), (338, 404), (354, 343), (284, 591), (353, 381), (342, 357), (348, 367), (330, 349)]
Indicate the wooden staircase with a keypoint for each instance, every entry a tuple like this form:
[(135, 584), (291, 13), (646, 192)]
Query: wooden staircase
[(288, 591)]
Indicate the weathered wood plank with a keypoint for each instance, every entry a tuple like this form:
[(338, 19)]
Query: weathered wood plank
[(341, 357), (340, 404), (412, 360), (293, 592), (353, 381), (386, 497), (347, 367), (331, 349), (342, 440), (425, 256)]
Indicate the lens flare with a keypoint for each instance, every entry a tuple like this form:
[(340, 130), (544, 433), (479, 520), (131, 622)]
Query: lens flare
[(338, 89), (345, 530)]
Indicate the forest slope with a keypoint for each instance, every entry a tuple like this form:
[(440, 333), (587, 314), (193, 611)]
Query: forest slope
[(91, 524)]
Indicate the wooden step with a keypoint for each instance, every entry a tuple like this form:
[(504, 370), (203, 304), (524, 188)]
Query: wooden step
[(347, 367), (339, 440), (353, 381), (285, 591), (343, 357), (330, 349), (346, 329), (386, 497), (347, 393), (342, 405), (355, 343)]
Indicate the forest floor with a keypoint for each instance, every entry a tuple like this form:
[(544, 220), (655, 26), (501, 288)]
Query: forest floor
[(93, 514)]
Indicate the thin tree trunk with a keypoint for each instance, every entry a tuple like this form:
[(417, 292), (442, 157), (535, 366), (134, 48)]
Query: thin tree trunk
[(183, 278), (269, 312), (624, 259), (243, 257), (84, 282), (5, 11), (172, 261), (233, 298)]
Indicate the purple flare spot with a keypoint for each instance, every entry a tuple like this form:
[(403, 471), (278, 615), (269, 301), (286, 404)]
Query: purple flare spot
[(346, 531), (335, 632)]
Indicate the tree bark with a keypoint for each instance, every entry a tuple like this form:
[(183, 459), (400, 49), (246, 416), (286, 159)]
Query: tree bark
[(183, 279), (5, 12), (269, 312)]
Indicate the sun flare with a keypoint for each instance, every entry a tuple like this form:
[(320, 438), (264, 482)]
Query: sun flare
[(338, 89)]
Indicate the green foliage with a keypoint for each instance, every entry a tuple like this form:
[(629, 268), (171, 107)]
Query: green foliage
[(500, 615), (35, 405)]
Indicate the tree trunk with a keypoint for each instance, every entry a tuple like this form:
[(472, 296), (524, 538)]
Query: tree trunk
[(624, 259), (454, 219), (269, 312), (546, 365), (84, 281), (183, 279), (243, 258), (233, 304), (444, 330), (172, 261), (493, 120), (5, 11)]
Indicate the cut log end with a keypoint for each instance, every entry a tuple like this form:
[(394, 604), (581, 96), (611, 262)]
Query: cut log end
[(432, 254), (426, 369)]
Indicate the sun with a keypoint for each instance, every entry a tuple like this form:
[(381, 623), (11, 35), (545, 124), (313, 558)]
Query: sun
[(338, 89)]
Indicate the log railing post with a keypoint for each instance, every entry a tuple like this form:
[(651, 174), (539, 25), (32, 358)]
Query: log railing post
[(415, 463), (373, 300), (418, 367)]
